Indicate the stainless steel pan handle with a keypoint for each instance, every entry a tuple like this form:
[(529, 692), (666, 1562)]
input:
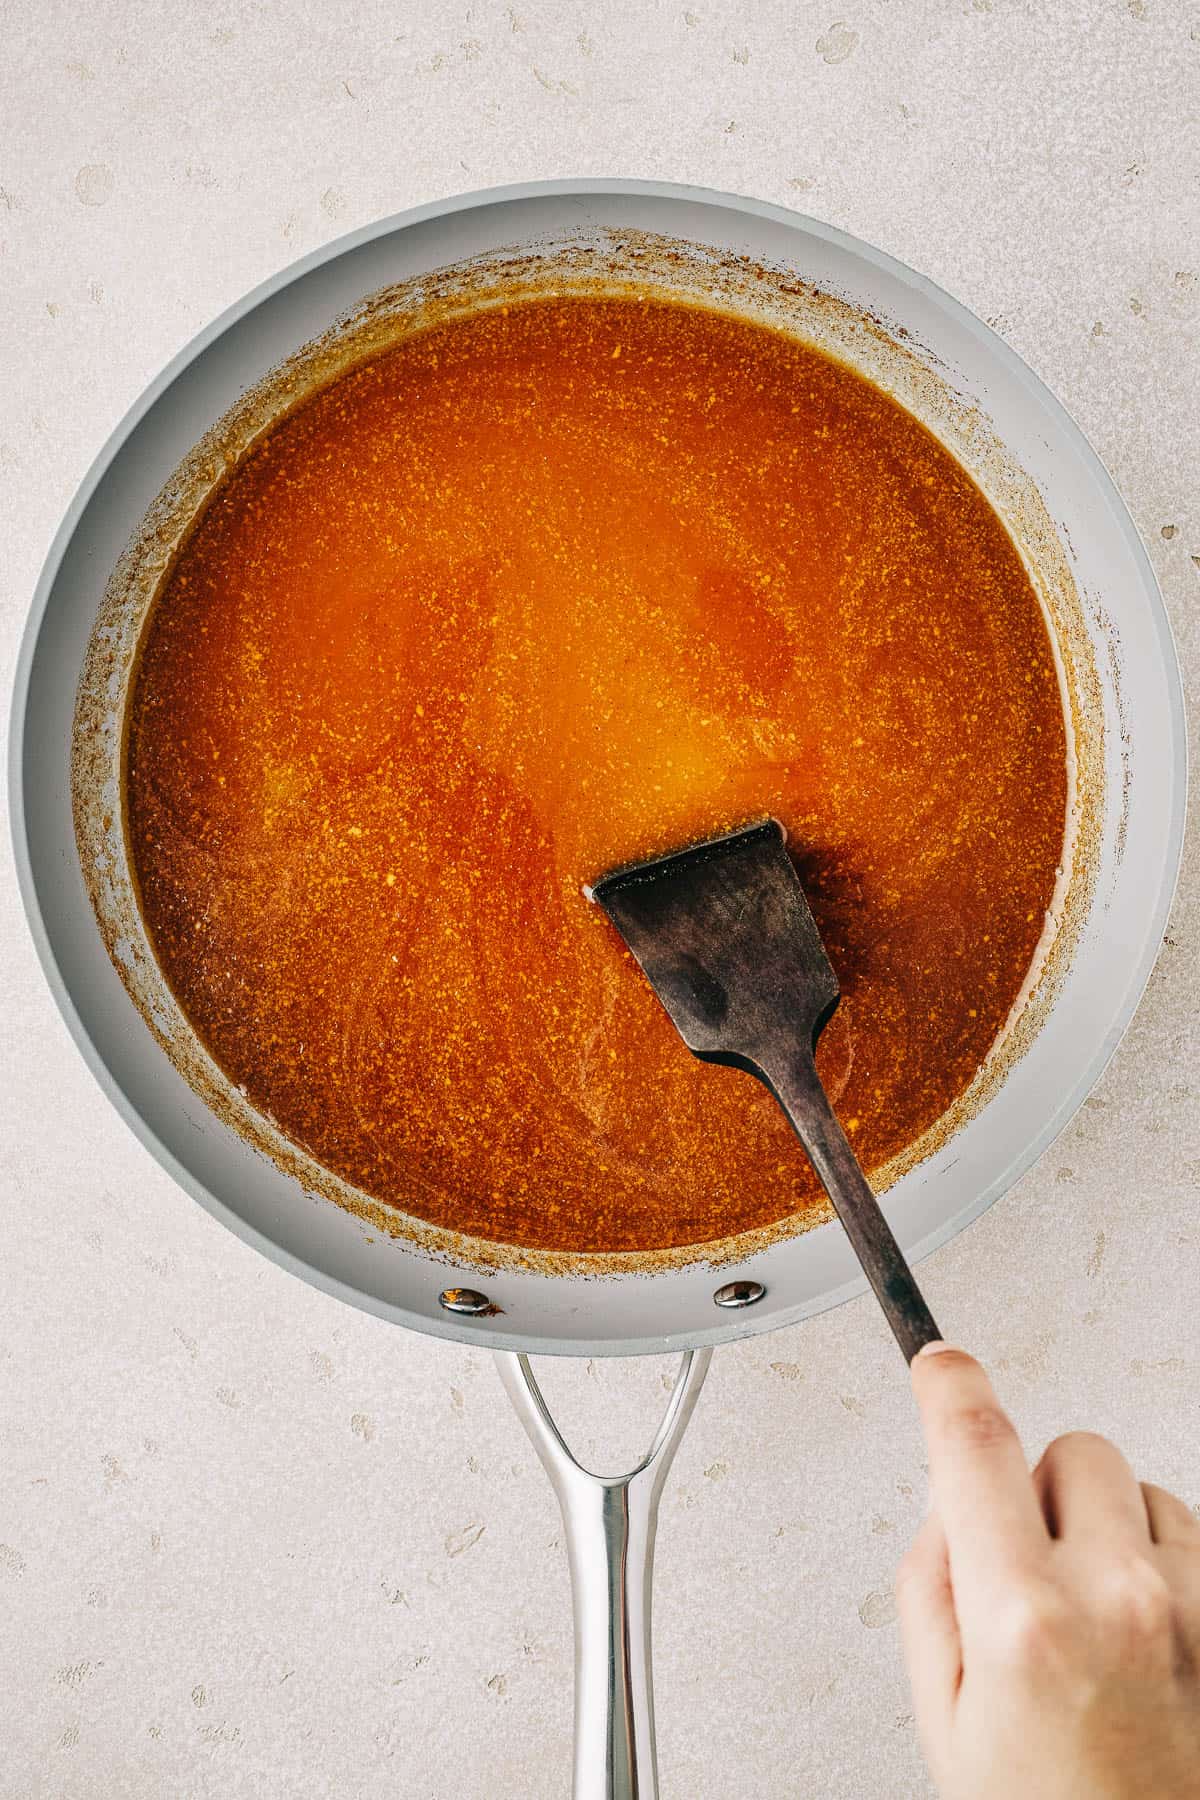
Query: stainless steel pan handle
[(610, 1523)]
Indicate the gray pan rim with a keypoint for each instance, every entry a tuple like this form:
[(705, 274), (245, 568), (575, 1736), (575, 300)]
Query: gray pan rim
[(741, 1325)]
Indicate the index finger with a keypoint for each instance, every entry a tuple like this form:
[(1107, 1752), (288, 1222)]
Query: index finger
[(981, 1483)]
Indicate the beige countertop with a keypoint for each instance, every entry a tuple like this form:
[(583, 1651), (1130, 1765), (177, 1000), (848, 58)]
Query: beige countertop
[(253, 1542)]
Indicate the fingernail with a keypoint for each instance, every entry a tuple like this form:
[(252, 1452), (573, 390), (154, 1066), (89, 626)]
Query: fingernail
[(935, 1347)]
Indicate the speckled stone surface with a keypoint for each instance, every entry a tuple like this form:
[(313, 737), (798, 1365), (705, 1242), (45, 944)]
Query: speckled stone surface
[(251, 1542)]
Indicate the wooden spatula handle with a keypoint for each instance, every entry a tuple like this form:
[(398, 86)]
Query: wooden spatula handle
[(797, 1086)]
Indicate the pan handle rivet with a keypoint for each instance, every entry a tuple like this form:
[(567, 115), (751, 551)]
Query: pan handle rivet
[(739, 1293), (464, 1300)]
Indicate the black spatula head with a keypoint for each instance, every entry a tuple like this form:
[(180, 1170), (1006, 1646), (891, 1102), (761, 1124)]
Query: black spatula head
[(728, 943)]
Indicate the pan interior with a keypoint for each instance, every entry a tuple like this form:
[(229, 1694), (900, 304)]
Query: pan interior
[(614, 274)]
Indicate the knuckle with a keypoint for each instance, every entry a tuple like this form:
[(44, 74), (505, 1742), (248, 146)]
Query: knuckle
[(1132, 1601), (1033, 1629), (978, 1427), (1127, 1621), (1182, 1519), (1071, 1443)]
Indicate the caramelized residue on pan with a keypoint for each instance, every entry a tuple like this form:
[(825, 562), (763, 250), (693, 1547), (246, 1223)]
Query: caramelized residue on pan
[(546, 589)]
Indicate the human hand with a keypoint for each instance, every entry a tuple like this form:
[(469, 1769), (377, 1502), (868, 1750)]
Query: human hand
[(1051, 1622)]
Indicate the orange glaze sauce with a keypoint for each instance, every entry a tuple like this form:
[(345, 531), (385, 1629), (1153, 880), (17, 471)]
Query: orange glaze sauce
[(539, 592)]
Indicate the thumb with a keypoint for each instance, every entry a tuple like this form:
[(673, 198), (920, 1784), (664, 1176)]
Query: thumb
[(929, 1632)]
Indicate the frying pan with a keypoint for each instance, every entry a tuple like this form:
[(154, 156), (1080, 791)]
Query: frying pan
[(1123, 699)]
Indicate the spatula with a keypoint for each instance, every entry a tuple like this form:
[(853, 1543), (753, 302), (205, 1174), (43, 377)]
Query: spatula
[(726, 939)]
